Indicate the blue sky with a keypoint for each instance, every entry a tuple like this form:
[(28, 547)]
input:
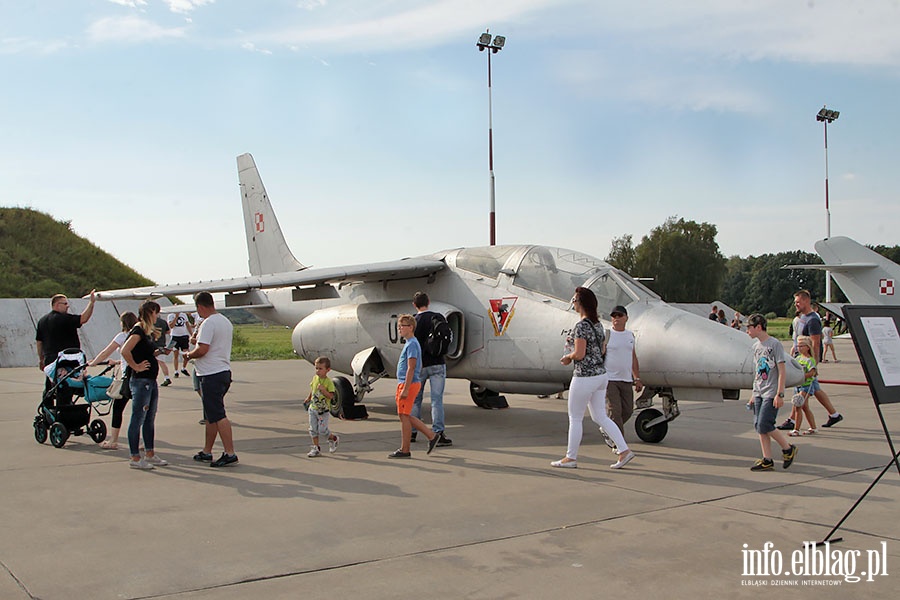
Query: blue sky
[(368, 121)]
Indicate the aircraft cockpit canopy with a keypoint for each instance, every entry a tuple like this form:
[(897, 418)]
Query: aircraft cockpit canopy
[(487, 261), (554, 272)]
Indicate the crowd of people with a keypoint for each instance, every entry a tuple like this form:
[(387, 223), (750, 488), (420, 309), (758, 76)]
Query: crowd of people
[(606, 374), (140, 349)]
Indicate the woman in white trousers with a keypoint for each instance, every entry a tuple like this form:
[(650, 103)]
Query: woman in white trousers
[(589, 379)]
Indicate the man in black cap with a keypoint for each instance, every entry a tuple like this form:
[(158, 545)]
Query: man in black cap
[(623, 369)]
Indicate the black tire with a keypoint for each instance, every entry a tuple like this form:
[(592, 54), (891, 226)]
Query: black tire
[(654, 434), (40, 430), (481, 395), (58, 435), (97, 431), (343, 396)]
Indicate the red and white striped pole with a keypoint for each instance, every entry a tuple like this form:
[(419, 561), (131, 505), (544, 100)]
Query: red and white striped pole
[(492, 46)]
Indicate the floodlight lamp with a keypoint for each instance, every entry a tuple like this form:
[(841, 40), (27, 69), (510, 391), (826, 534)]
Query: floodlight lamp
[(484, 39), (499, 40), (827, 115)]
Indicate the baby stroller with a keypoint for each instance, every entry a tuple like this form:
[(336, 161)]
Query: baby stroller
[(59, 414)]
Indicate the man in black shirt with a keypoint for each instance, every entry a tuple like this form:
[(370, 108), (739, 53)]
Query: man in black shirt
[(57, 331)]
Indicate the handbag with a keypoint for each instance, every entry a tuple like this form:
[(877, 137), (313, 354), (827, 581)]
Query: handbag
[(114, 391), (119, 387)]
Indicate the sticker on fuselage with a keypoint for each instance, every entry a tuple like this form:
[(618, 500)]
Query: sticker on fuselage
[(502, 311)]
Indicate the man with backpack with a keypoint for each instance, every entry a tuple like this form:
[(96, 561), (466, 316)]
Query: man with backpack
[(434, 335)]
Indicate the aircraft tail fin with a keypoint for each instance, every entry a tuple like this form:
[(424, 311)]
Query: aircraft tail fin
[(865, 276), (266, 247)]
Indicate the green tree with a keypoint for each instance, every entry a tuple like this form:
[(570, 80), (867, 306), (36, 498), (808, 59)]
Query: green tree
[(771, 287), (889, 252), (738, 272), (683, 260), (621, 254)]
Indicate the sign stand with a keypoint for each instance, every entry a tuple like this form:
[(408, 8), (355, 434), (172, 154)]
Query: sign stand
[(876, 336)]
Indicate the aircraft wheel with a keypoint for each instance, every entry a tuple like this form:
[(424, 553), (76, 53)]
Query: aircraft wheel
[(40, 430), (654, 434), (58, 435), (343, 396), (481, 395), (97, 431)]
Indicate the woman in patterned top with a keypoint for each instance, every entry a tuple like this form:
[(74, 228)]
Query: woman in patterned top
[(588, 387)]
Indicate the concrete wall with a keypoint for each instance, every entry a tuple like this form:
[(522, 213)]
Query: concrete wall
[(19, 317)]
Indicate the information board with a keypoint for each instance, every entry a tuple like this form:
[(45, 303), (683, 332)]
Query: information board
[(876, 335)]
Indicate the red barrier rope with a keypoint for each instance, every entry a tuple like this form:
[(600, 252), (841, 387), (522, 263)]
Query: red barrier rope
[(842, 382)]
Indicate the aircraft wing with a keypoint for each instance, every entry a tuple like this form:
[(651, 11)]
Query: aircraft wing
[(407, 268), (841, 268)]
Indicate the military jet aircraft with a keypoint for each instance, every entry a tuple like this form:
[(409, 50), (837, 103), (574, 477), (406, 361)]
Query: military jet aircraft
[(508, 306), (865, 276)]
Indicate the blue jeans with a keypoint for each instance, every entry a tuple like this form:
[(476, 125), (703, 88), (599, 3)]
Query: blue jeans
[(437, 374), (144, 400)]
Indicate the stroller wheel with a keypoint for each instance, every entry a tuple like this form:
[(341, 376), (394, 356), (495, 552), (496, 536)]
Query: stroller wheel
[(58, 435), (97, 431), (40, 430)]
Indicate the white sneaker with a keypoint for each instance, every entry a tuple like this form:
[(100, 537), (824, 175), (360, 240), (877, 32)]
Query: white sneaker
[(140, 464), (156, 461), (333, 444), (565, 464), (624, 459), (313, 452)]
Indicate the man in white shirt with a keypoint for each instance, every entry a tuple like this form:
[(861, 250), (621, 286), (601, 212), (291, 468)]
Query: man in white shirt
[(622, 368), (212, 361)]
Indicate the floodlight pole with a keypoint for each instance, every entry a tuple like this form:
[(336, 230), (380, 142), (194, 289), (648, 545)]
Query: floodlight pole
[(485, 42), (827, 116)]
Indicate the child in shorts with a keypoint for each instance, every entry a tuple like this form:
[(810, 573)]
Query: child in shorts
[(321, 394), (409, 369), (808, 388), (768, 393)]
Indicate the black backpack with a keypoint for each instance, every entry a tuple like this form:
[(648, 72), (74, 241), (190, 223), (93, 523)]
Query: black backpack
[(439, 338)]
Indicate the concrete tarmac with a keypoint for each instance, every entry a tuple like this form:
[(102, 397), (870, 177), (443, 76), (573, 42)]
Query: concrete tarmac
[(485, 518)]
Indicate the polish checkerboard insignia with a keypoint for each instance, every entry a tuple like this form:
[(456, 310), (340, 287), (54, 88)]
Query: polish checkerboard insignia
[(260, 223), (886, 287)]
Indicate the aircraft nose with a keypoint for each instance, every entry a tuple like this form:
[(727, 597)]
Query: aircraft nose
[(679, 349)]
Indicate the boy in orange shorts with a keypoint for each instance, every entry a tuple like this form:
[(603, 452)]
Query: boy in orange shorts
[(409, 368)]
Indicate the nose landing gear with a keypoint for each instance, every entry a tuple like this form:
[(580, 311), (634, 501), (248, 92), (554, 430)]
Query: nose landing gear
[(651, 425)]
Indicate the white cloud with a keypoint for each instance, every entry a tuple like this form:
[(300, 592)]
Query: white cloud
[(252, 48), (130, 29), (311, 4), (130, 3), (805, 31), (186, 6), (810, 31), (418, 24)]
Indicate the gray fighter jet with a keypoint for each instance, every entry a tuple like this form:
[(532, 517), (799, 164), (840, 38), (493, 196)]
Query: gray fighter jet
[(508, 306)]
